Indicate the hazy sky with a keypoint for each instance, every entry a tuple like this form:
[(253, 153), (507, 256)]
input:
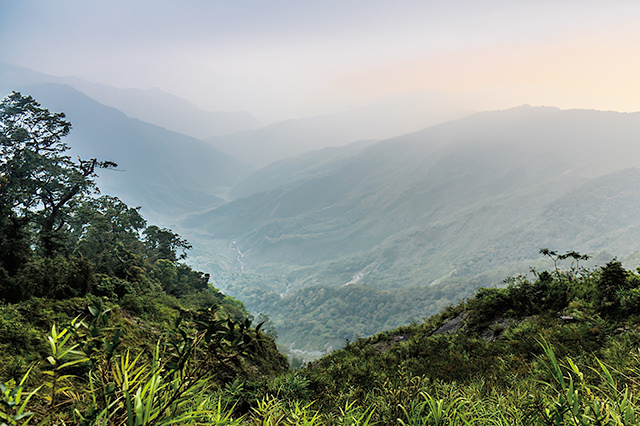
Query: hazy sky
[(280, 59)]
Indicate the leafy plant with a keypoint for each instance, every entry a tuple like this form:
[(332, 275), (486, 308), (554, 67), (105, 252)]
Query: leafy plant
[(64, 354), (13, 406)]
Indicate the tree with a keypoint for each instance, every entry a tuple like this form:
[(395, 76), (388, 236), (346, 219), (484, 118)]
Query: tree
[(613, 278), (574, 255), (162, 243), (37, 179)]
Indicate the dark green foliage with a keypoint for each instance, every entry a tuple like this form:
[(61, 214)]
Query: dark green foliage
[(291, 386), (39, 180), (14, 241), (613, 279), (630, 300), (106, 230), (164, 244), (520, 298), (56, 278), (112, 286), (58, 242), (17, 337), (195, 354), (178, 279)]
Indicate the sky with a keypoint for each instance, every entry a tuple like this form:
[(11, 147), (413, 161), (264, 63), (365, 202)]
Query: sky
[(283, 59)]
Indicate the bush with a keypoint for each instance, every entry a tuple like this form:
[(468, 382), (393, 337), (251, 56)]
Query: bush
[(488, 304), (112, 287), (613, 279), (18, 336), (56, 278)]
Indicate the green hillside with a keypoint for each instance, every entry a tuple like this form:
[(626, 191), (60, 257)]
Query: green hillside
[(94, 301), (559, 349), (103, 324)]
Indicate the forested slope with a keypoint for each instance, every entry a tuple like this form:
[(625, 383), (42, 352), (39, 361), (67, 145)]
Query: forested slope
[(435, 213), (94, 301)]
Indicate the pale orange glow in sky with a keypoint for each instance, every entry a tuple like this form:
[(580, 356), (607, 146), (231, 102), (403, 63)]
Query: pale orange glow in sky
[(579, 71), (288, 59)]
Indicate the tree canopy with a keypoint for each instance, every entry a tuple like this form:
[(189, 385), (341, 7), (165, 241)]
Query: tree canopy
[(39, 179), (57, 238)]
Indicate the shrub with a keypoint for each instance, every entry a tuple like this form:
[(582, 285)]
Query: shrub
[(56, 278)]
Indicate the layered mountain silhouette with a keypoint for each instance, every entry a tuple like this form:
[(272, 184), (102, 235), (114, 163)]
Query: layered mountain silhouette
[(167, 173), (464, 203), (153, 106), (392, 230), (381, 120)]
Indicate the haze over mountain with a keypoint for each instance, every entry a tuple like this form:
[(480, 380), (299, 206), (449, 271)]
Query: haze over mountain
[(153, 105), (167, 173), (238, 134), (384, 119), (408, 224), (440, 211)]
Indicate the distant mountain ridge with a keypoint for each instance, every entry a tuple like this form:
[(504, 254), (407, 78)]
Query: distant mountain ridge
[(443, 210), (388, 118), (153, 106), (167, 173)]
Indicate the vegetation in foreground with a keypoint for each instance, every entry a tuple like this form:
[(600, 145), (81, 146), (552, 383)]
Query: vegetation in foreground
[(102, 324), (561, 349), (96, 306)]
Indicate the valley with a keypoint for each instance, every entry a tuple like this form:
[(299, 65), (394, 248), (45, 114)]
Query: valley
[(328, 213), (418, 222), (358, 236)]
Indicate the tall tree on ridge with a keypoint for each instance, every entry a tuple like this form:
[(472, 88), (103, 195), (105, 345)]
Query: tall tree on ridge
[(37, 179)]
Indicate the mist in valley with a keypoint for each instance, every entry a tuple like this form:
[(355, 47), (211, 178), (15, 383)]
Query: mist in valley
[(346, 168)]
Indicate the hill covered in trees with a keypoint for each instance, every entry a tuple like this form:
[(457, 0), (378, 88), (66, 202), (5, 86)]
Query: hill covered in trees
[(102, 323), (93, 299), (398, 229)]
